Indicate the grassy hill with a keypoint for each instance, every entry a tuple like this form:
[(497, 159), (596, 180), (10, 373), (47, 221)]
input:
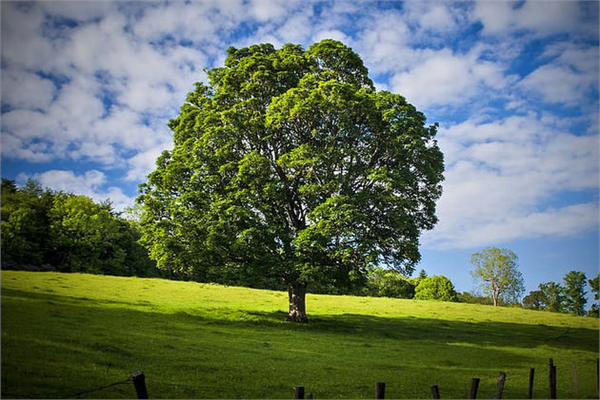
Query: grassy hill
[(65, 333)]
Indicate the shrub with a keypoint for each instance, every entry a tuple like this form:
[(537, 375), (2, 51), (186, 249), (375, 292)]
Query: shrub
[(389, 283), (436, 288)]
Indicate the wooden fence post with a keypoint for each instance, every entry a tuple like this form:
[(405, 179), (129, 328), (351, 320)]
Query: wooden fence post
[(597, 375), (474, 388), (575, 382), (551, 379), (139, 382), (380, 390), (435, 392), (500, 385), (531, 376), (299, 392)]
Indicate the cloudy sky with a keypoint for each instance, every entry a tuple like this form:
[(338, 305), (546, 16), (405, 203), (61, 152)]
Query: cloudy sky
[(87, 89)]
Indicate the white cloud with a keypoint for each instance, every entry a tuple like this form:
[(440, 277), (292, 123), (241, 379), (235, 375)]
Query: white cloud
[(265, 10), (443, 78), (503, 177), (140, 165), (539, 17), (91, 183), (433, 17), (384, 42), (25, 90), (569, 78), (116, 93)]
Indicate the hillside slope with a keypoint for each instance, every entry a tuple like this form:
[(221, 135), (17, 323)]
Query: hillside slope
[(65, 333)]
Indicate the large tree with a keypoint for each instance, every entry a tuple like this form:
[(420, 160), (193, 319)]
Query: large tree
[(289, 164), (498, 272)]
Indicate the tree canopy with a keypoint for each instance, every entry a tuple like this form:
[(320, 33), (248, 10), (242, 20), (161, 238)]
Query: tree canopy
[(389, 283), (574, 291), (436, 288), (498, 272), (47, 230), (289, 164), (567, 298)]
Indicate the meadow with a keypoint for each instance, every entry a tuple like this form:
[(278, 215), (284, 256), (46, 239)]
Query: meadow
[(65, 333)]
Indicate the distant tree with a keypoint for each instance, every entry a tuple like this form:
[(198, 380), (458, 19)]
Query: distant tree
[(497, 271), (85, 236), (9, 186), (44, 229), (553, 296), (436, 288), (575, 300), (535, 300), (422, 274), (594, 310), (468, 297), (389, 283), (290, 164), (25, 223)]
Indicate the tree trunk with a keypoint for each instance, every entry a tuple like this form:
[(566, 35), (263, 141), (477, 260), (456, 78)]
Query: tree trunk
[(297, 296)]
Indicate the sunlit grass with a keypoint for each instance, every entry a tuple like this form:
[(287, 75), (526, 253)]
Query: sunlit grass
[(64, 333)]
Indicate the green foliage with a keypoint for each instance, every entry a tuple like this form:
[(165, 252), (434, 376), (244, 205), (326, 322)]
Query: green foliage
[(85, 236), (467, 297), (497, 271), (574, 291), (389, 283), (64, 333), (289, 165), (42, 229), (25, 223), (569, 298), (435, 288), (535, 300), (593, 311), (552, 296)]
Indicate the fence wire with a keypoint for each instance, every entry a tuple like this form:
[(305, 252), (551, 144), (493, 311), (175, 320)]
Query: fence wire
[(70, 396)]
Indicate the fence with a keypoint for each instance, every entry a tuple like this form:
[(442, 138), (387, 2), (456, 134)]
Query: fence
[(139, 382), (435, 390)]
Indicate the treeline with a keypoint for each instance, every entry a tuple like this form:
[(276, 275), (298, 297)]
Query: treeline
[(568, 297), (45, 230), (389, 283)]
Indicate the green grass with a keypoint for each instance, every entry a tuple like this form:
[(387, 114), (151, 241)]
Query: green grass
[(65, 333)]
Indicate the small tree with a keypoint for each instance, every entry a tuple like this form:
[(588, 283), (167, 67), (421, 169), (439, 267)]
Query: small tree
[(497, 272), (436, 288), (575, 292)]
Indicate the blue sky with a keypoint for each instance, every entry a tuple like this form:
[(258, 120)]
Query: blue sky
[(88, 88)]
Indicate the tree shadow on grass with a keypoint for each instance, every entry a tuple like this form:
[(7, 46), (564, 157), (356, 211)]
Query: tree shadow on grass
[(485, 333), (488, 333), (44, 332)]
